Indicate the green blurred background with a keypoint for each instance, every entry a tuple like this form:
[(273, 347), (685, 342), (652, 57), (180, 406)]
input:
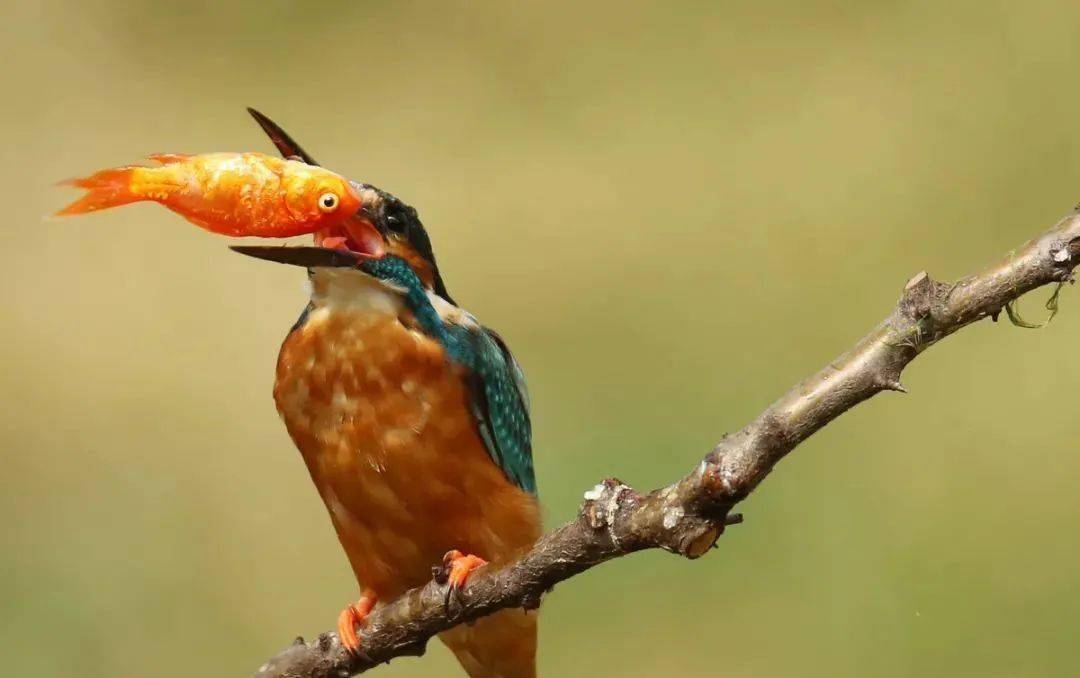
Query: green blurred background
[(673, 212)]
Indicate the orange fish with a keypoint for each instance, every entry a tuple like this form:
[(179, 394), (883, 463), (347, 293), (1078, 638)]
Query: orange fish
[(237, 194)]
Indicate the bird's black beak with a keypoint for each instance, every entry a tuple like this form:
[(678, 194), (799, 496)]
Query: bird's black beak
[(307, 257), (284, 143)]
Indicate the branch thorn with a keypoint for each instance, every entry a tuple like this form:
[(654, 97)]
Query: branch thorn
[(895, 385)]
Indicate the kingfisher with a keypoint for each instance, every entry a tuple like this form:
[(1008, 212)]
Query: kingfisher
[(412, 418)]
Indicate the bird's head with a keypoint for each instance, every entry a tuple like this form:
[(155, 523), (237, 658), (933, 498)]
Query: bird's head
[(383, 226)]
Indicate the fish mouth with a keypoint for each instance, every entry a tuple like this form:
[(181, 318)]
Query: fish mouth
[(342, 246)]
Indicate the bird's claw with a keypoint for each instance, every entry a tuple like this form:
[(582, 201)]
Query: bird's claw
[(350, 617), (455, 571)]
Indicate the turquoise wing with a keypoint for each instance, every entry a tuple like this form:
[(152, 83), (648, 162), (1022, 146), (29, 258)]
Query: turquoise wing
[(497, 396), (500, 405)]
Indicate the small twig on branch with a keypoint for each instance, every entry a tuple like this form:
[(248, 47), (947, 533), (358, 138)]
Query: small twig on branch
[(688, 516)]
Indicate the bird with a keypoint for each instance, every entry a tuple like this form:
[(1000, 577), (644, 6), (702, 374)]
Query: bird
[(412, 418)]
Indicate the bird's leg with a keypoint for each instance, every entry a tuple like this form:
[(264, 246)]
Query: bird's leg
[(455, 571), (353, 615)]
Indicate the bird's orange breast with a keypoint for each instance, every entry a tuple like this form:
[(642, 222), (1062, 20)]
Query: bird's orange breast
[(382, 420)]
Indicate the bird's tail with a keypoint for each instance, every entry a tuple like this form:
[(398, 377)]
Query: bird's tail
[(501, 645), (107, 188)]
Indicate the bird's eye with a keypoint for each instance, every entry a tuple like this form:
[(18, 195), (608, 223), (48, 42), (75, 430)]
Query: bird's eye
[(395, 225), (328, 202)]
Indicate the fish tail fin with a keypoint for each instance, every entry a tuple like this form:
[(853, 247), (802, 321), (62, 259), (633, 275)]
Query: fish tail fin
[(107, 188)]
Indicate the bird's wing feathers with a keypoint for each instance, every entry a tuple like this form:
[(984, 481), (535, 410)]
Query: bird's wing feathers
[(500, 405)]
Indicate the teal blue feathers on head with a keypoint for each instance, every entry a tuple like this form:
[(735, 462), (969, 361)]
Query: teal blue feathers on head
[(497, 395), (391, 216)]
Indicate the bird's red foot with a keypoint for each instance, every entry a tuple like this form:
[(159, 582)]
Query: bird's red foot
[(353, 615), (455, 571), (459, 566)]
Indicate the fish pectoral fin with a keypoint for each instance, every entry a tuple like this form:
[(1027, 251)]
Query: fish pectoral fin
[(169, 158)]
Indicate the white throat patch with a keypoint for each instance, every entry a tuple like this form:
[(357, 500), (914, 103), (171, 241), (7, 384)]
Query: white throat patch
[(353, 290)]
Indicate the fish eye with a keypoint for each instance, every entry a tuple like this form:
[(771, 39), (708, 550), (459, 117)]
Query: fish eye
[(328, 202)]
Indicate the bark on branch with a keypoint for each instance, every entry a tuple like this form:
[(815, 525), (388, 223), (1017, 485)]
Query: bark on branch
[(688, 516)]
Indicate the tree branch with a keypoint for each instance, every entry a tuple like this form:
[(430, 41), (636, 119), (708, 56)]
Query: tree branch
[(688, 516)]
